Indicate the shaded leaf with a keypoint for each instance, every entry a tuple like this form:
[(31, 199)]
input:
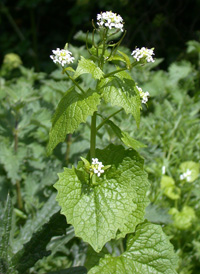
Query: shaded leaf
[(120, 90), (124, 136), (35, 249)]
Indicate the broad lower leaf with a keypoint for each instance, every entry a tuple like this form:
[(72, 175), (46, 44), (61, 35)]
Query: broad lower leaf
[(88, 66), (124, 136), (148, 252), (138, 181), (73, 109), (98, 212), (119, 90)]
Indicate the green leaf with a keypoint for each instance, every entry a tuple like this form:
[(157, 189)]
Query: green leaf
[(120, 90), (93, 257), (148, 251), (170, 190), (124, 136), (191, 166), (83, 37), (98, 212), (10, 162), (178, 71), (88, 66), (73, 109), (35, 249), (126, 59), (183, 219)]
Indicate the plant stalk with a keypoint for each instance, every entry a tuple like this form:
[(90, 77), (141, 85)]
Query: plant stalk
[(75, 83), (93, 136), (105, 120), (18, 186)]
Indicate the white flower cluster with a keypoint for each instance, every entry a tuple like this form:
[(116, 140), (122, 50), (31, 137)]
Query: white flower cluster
[(97, 166), (143, 95), (62, 56), (186, 175), (110, 20), (143, 53)]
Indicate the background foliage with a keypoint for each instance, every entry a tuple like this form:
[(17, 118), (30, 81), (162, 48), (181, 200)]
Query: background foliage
[(33, 28)]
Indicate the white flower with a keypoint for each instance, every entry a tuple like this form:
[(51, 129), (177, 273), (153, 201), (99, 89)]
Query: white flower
[(62, 56), (95, 161), (98, 171), (186, 175), (96, 167), (143, 53), (163, 169), (110, 20), (143, 95)]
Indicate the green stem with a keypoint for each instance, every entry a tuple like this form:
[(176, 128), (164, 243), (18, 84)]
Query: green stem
[(19, 196), (93, 136), (188, 197), (105, 120), (114, 72), (18, 186), (176, 204), (69, 136), (12, 22), (101, 63), (74, 82)]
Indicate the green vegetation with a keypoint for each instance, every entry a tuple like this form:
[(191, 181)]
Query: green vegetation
[(34, 236)]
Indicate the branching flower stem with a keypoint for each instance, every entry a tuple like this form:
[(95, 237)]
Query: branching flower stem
[(75, 83), (94, 116), (105, 120), (114, 72), (93, 136)]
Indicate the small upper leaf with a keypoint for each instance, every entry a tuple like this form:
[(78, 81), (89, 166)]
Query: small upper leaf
[(124, 136), (73, 109), (149, 251), (88, 66), (120, 90)]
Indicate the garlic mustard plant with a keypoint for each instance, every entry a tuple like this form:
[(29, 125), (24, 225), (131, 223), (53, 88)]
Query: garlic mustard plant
[(62, 56), (104, 195), (96, 167), (110, 20), (143, 95), (143, 54), (186, 175)]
